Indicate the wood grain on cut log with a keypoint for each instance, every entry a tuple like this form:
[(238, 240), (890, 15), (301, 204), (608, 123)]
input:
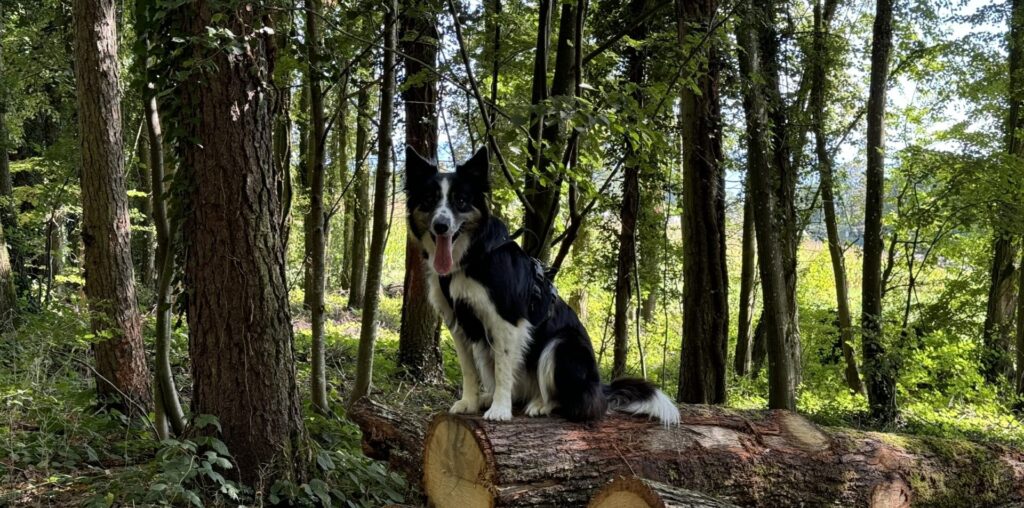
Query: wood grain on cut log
[(764, 458), (633, 492)]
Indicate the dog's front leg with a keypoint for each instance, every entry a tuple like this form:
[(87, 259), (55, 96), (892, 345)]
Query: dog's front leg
[(470, 401), (509, 343)]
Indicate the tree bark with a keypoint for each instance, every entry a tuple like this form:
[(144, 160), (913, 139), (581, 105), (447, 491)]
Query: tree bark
[(316, 220), (419, 349), (8, 214), (821, 61), (997, 362), (636, 492), (758, 458), (623, 279), (240, 332), (106, 227), (381, 194), (784, 175), (705, 333), (543, 178), (636, 62), (743, 362), (361, 203), (168, 406), (780, 329), (8, 294), (142, 241), (879, 367)]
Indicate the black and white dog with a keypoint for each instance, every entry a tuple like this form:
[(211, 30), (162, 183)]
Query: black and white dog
[(516, 339)]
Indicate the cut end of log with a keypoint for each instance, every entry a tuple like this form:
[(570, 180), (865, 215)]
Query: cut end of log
[(626, 493), (458, 469), (633, 492), (891, 494)]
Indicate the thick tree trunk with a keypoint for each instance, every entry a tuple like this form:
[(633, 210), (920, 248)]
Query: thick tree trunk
[(106, 228), (705, 333), (381, 195), (361, 203), (762, 458), (743, 362), (777, 319), (879, 367), (240, 333), (635, 492), (821, 62), (316, 220), (419, 350), (997, 362)]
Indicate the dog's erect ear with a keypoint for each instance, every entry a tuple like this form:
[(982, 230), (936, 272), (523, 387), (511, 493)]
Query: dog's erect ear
[(477, 170), (417, 169)]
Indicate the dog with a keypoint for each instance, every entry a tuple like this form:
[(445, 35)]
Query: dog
[(517, 341)]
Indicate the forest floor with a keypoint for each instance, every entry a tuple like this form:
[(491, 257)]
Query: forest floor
[(58, 449)]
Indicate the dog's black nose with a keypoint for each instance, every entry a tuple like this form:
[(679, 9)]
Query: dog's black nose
[(440, 227)]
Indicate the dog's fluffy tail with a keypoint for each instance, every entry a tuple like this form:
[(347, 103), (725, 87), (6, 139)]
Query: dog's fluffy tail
[(638, 397)]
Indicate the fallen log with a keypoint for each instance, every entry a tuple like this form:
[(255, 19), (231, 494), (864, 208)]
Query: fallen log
[(633, 492), (763, 458), (391, 436)]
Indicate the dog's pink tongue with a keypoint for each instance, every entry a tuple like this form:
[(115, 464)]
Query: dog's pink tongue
[(443, 255)]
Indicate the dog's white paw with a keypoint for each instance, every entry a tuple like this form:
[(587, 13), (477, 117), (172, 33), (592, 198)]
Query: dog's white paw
[(498, 413), (538, 408), (465, 406), (485, 399)]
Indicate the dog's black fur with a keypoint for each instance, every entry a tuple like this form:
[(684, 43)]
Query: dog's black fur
[(517, 287)]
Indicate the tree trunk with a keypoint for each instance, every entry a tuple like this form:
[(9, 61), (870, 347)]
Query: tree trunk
[(282, 134), (316, 220), (240, 333), (543, 179), (1020, 332), (756, 458), (142, 241), (636, 63), (777, 317), (168, 406), (821, 61), (8, 214), (623, 278), (165, 249), (879, 367), (381, 194), (106, 228), (8, 294), (997, 364), (419, 350), (705, 333), (339, 161), (743, 362), (635, 492), (361, 203), (784, 176)]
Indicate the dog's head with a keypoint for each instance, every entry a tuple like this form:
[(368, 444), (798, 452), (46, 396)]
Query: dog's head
[(445, 209)]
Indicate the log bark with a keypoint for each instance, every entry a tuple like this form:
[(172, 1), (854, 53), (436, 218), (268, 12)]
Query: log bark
[(763, 458), (635, 492)]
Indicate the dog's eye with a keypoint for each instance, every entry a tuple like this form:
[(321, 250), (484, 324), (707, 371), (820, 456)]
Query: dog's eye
[(460, 201)]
